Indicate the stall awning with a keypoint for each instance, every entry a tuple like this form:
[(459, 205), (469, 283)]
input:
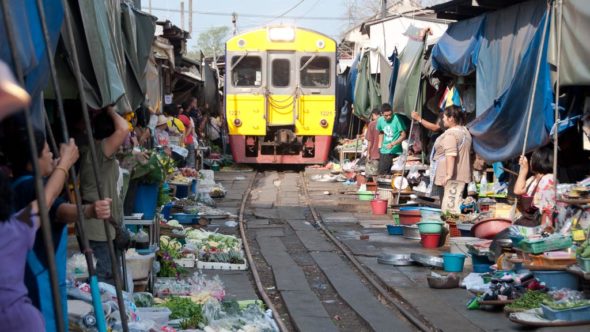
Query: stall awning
[(30, 46), (502, 47), (113, 43), (575, 48)]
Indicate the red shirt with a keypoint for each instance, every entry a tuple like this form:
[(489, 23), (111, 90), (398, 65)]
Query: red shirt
[(186, 121), (372, 137)]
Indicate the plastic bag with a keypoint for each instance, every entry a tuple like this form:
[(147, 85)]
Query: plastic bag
[(143, 299)]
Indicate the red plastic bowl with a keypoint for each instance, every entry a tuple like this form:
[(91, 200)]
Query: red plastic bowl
[(409, 217), (489, 228)]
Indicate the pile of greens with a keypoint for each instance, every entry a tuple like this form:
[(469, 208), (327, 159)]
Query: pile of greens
[(190, 312), (584, 250), (530, 300)]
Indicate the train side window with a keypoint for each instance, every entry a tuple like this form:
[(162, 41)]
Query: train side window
[(315, 71), (281, 72), (246, 71)]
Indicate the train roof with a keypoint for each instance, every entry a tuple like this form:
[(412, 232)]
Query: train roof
[(281, 38)]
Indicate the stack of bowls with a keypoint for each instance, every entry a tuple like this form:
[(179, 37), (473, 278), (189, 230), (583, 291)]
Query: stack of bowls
[(430, 227)]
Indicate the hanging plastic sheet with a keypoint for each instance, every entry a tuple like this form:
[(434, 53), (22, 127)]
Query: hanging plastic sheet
[(366, 92), (408, 77), (502, 47), (352, 76), (575, 48), (456, 51), (31, 46), (507, 117), (385, 71), (394, 72), (138, 33)]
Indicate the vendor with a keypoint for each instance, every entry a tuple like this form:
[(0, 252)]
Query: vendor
[(450, 156), (540, 184), (372, 137), (392, 132), (18, 154), (110, 131)]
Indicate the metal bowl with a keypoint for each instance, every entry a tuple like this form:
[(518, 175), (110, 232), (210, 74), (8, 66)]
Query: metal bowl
[(411, 232), (395, 259), (427, 260)]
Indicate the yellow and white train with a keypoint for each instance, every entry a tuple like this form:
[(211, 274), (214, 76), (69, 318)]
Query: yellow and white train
[(280, 101)]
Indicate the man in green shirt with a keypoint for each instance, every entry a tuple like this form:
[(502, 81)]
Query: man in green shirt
[(392, 132)]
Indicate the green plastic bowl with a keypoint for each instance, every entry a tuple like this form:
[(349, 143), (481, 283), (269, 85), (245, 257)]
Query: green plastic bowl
[(430, 226), (366, 195)]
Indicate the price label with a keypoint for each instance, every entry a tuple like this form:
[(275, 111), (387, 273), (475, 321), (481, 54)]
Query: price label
[(168, 99)]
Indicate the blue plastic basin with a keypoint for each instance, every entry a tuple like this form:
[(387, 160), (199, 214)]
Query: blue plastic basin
[(453, 262)]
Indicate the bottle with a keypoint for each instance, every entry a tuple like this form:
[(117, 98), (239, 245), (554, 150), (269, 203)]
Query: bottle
[(483, 185)]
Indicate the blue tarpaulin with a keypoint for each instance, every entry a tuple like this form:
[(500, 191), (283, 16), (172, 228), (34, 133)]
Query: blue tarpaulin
[(31, 45), (502, 47)]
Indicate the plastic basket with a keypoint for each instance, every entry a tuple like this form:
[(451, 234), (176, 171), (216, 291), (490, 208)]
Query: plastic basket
[(540, 246), (160, 315), (557, 279)]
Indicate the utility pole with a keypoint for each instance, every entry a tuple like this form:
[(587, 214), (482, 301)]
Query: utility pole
[(182, 15), (383, 8), (150, 7), (190, 16), (234, 21)]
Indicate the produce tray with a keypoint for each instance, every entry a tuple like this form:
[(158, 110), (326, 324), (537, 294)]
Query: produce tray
[(535, 318), (221, 266), (570, 315), (185, 262), (537, 247)]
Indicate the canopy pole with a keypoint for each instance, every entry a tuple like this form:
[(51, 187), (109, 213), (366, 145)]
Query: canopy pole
[(537, 69), (43, 210), (86, 250), (76, 69), (556, 131), (399, 190)]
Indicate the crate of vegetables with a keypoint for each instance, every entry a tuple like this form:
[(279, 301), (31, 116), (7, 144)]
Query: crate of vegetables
[(568, 311)]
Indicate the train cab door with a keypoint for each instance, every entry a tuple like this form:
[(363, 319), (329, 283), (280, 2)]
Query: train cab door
[(281, 93)]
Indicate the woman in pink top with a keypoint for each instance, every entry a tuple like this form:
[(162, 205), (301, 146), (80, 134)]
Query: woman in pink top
[(540, 184)]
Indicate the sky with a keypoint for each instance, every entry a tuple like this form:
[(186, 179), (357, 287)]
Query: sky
[(325, 16)]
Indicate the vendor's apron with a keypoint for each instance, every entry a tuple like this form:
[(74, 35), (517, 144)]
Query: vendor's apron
[(434, 163)]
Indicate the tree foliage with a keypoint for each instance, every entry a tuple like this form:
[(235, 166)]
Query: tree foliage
[(211, 42)]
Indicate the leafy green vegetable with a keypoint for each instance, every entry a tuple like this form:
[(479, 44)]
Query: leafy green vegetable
[(186, 309), (530, 300)]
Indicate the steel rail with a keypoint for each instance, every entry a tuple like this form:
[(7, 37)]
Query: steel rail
[(418, 322), (259, 287)]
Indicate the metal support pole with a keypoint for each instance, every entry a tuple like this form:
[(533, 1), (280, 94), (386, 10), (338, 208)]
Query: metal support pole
[(558, 62), (97, 303), (43, 210), (114, 259)]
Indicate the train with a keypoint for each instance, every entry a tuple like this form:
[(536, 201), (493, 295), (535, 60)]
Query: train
[(279, 95)]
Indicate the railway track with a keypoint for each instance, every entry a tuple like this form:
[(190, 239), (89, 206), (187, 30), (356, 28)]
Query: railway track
[(308, 277)]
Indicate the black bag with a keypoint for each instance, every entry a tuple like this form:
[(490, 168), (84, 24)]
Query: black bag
[(122, 239)]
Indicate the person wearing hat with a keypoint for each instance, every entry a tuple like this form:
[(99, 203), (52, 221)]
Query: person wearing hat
[(162, 136)]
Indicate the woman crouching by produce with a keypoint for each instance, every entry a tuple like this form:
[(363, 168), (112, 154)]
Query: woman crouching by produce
[(450, 156)]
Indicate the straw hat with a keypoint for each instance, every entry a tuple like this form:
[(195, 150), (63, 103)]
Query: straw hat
[(162, 120)]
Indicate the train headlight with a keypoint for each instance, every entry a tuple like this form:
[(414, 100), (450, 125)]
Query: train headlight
[(324, 123), (320, 43), (241, 43), (237, 122), (285, 34)]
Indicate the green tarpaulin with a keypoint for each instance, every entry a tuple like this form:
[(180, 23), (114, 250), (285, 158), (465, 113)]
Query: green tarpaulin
[(113, 43), (366, 92), (408, 78)]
